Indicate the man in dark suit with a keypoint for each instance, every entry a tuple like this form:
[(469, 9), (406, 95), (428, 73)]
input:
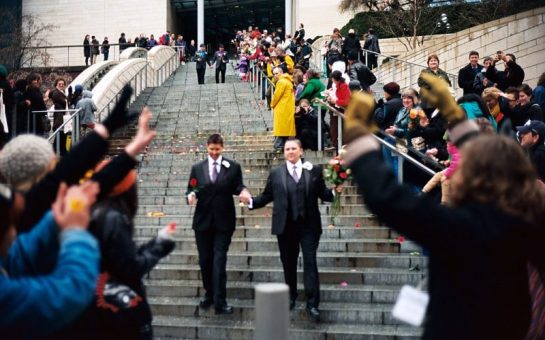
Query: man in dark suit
[(212, 184), (201, 61), (467, 74), (294, 189), (220, 63)]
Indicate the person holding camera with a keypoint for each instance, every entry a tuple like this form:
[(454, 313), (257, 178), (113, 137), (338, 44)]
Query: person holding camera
[(512, 75), (306, 125)]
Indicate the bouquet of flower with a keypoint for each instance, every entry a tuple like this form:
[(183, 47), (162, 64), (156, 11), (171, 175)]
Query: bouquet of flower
[(415, 115), (336, 173)]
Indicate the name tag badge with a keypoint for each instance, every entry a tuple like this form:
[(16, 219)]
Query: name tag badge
[(411, 305)]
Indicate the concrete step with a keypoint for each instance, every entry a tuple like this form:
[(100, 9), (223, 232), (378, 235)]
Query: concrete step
[(192, 327), (154, 196), (333, 275), (353, 293), (330, 312), (255, 220), (341, 233), (181, 209), (324, 259), (326, 245)]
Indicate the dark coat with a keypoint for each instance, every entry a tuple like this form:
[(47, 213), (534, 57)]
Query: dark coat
[(537, 156), (358, 71), (521, 114), (60, 102), (86, 48), (94, 47), (220, 60), (351, 43), (386, 112), (201, 59), (513, 77), (371, 43), (466, 77), (215, 206), (276, 191), (478, 255)]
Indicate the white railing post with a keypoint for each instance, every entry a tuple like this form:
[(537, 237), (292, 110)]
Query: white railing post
[(400, 160), (339, 133)]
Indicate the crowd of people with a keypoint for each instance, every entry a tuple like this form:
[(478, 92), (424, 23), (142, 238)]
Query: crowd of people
[(69, 265), (33, 107)]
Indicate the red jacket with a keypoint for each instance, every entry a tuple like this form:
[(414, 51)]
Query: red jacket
[(343, 95)]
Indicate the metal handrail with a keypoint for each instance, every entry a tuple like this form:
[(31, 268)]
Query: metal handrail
[(391, 147), (56, 134)]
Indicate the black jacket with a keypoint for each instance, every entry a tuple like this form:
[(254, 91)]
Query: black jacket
[(70, 169), (386, 112), (478, 279), (358, 71), (466, 77), (276, 191), (215, 207), (220, 61), (351, 43), (504, 79), (521, 114), (86, 48)]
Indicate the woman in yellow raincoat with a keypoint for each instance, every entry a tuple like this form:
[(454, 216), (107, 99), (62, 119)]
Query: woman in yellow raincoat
[(283, 104)]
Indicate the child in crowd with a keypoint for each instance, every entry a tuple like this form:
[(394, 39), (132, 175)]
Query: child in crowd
[(242, 67)]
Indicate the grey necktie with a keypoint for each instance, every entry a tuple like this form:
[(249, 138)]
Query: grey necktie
[(214, 172), (294, 174)]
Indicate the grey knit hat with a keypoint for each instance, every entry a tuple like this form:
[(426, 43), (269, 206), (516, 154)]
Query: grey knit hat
[(25, 158)]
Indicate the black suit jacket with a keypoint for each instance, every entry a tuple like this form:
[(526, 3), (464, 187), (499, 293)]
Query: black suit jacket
[(276, 191), (219, 61), (215, 206), (466, 78)]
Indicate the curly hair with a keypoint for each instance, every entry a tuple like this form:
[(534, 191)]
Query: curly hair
[(495, 170)]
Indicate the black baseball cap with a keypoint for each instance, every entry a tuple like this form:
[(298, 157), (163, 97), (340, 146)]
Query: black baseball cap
[(534, 126)]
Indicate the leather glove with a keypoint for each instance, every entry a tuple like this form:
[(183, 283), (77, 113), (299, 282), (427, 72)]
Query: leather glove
[(120, 116), (436, 92), (358, 117)]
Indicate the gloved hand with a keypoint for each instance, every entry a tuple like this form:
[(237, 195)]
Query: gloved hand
[(120, 116), (436, 92), (358, 117)]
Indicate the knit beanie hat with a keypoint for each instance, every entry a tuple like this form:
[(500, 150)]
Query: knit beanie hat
[(391, 88), (25, 158)]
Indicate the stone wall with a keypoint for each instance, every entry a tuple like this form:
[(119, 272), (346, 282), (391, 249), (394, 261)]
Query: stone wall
[(320, 16), (101, 18), (522, 34)]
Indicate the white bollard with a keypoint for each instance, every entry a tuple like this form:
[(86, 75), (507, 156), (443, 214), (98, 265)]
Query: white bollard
[(272, 311)]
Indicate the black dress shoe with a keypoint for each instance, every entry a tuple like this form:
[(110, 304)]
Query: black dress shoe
[(226, 309), (292, 304), (313, 313), (206, 303)]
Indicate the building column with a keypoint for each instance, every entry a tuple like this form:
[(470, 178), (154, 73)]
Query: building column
[(200, 22), (288, 17)]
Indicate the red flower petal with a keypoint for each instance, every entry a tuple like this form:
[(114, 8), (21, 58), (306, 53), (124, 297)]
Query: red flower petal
[(193, 182), (400, 239), (343, 175), (357, 224)]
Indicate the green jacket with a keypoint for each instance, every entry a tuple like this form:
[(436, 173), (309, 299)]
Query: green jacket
[(313, 89)]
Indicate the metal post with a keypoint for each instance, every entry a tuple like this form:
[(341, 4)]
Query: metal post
[(58, 143), (400, 160), (339, 133), (200, 22), (272, 317), (319, 127)]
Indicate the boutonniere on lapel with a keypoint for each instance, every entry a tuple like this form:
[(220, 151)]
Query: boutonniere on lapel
[(307, 165), (225, 164)]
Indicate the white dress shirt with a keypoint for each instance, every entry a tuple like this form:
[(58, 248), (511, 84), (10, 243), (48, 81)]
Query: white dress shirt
[(210, 169), (298, 170)]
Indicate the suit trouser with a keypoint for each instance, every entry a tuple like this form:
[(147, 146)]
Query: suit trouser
[(295, 234), (200, 75), (212, 246), (218, 70)]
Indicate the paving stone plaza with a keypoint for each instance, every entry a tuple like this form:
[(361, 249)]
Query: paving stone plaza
[(362, 264)]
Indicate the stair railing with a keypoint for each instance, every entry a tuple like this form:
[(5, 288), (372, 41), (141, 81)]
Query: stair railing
[(399, 154), (138, 82), (55, 135), (259, 81)]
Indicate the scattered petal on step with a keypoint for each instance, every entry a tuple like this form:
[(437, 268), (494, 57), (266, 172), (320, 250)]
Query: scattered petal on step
[(343, 284), (257, 226), (156, 214), (241, 204), (414, 253), (353, 270), (357, 224), (330, 226), (400, 239)]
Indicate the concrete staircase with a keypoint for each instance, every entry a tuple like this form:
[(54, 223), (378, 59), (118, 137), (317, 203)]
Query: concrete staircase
[(362, 265)]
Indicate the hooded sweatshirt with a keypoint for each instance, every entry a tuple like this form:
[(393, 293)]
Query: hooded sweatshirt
[(87, 107)]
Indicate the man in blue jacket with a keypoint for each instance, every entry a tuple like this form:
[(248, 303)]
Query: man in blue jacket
[(34, 305)]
